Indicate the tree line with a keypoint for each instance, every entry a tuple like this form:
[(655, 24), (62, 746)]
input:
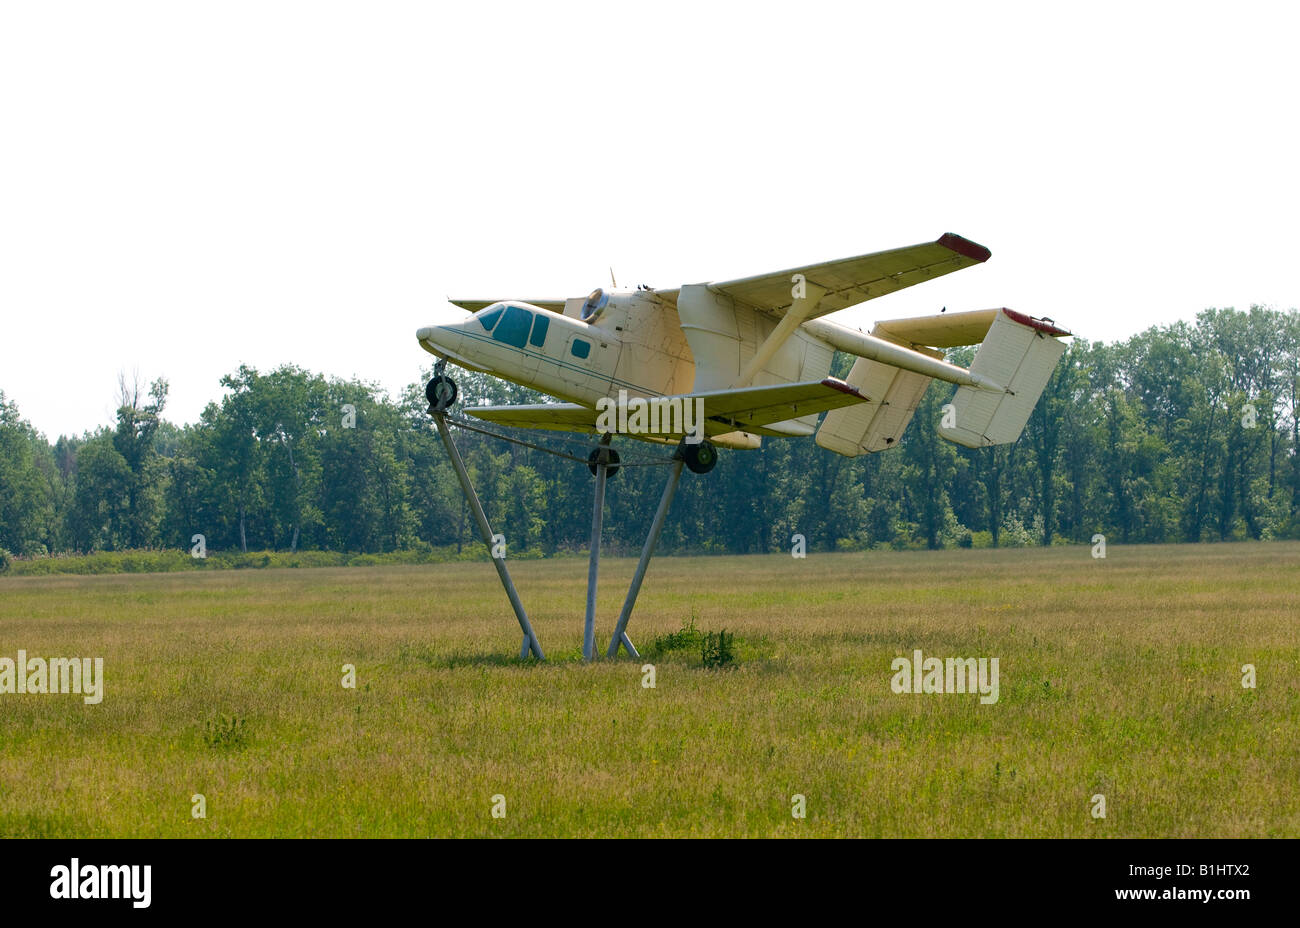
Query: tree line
[(1186, 432)]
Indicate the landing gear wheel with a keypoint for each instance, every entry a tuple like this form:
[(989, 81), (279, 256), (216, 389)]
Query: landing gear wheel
[(441, 393), (611, 460), (700, 458)]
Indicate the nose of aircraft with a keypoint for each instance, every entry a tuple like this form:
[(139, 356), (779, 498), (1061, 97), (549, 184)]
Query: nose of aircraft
[(443, 333)]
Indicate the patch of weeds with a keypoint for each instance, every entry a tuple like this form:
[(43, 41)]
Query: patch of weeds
[(226, 732), (687, 638), (716, 649)]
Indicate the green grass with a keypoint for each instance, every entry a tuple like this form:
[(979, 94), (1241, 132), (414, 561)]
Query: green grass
[(1118, 676)]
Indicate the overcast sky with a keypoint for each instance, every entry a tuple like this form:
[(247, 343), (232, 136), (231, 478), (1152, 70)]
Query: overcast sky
[(186, 187)]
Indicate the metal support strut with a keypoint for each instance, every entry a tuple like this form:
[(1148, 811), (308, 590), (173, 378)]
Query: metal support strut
[(603, 463), (652, 539), (530, 638), (593, 564)]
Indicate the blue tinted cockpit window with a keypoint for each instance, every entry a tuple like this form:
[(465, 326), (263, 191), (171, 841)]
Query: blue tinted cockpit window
[(540, 325), (490, 316), (513, 329)]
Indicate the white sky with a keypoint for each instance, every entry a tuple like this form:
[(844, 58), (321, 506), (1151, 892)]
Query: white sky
[(185, 187)]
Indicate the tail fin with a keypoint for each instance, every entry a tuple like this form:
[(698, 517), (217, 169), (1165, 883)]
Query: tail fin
[(1019, 352)]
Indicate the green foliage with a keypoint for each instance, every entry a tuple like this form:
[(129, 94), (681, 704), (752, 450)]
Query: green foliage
[(226, 733), (101, 509), (686, 638), (115, 562), (716, 649), (1015, 535), (1144, 440), (26, 484)]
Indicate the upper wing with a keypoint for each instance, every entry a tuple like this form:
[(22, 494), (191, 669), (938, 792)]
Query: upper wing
[(853, 280), (556, 306), (724, 410)]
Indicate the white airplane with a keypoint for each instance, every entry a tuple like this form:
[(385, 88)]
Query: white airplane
[(756, 352), (749, 358)]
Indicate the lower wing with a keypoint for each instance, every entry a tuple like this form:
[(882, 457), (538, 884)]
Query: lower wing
[(724, 411)]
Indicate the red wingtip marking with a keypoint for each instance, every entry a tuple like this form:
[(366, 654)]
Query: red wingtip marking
[(1038, 324), (964, 247), (836, 384)]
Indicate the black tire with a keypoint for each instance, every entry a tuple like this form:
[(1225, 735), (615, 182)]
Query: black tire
[(611, 461), (700, 458), (441, 393)]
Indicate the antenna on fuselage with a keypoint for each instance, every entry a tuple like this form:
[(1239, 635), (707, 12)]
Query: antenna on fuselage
[(613, 282)]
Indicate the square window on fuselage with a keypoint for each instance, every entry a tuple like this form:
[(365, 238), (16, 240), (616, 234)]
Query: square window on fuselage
[(580, 348)]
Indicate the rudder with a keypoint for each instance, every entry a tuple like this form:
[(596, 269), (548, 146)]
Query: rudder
[(1019, 352)]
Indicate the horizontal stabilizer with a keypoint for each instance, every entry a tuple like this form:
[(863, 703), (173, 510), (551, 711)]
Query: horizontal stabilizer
[(1021, 353), (951, 330), (945, 330)]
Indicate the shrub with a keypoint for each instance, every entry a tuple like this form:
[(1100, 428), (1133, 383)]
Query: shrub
[(716, 650), (1015, 535), (688, 636), (225, 732)]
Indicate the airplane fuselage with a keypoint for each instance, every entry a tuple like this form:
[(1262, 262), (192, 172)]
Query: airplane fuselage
[(636, 344), (633, 343)]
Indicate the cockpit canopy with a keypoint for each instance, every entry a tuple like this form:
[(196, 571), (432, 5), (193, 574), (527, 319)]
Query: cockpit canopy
[(516, 324)]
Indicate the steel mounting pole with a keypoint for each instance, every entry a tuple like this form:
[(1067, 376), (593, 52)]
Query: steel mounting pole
[(647, 551), (530, 638), (593, 563)]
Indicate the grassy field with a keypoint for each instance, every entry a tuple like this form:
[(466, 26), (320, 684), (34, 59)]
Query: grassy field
[(1119, 677)]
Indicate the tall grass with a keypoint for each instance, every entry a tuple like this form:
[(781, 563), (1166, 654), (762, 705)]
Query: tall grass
[(1119, 677)]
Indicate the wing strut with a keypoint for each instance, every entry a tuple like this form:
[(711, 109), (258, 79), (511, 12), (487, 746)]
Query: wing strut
[(807, 296)]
